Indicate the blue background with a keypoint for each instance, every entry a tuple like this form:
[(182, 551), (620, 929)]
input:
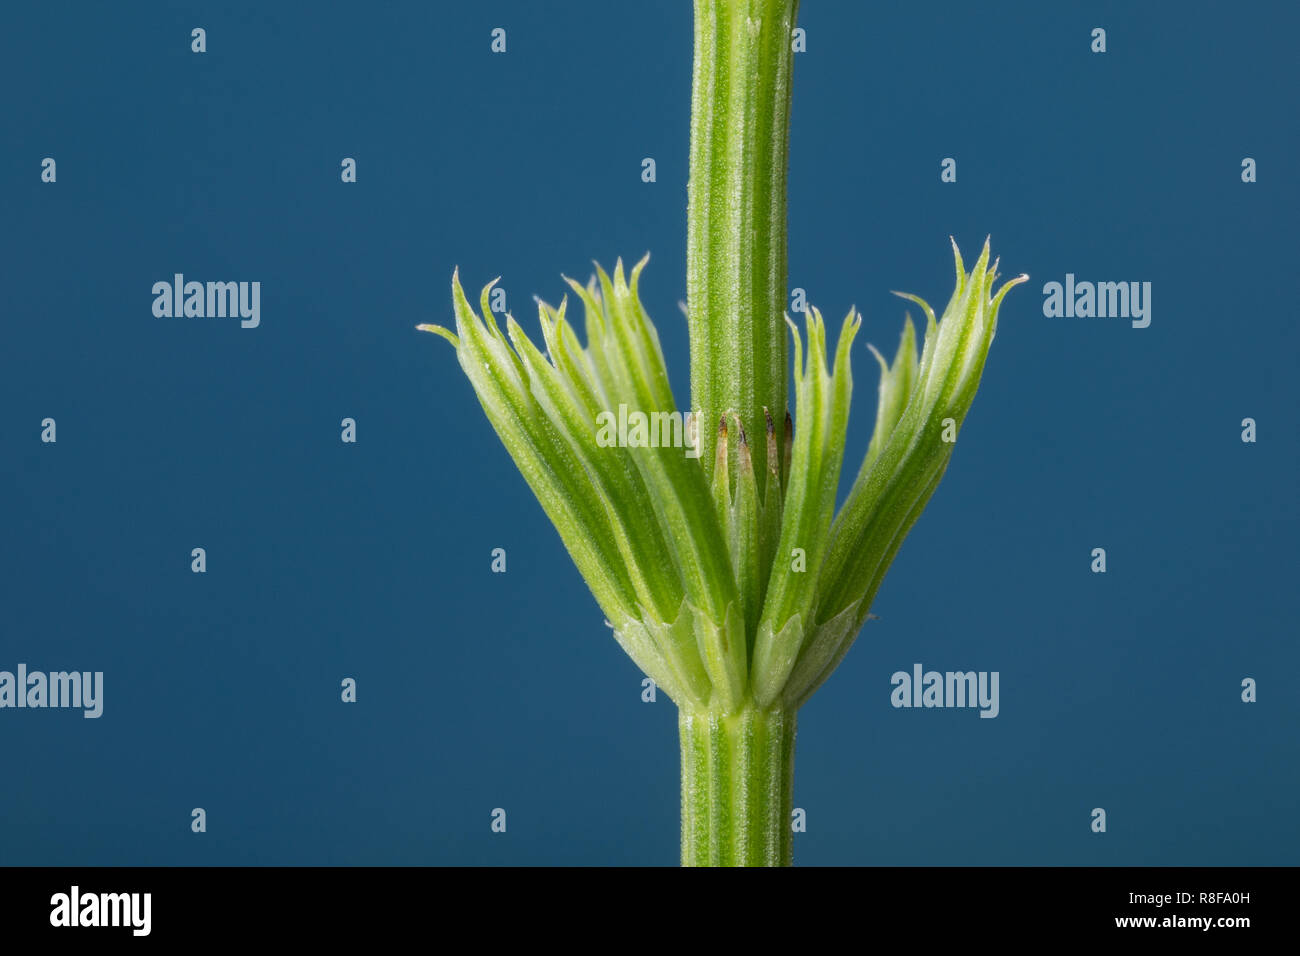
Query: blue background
[(479, 690)]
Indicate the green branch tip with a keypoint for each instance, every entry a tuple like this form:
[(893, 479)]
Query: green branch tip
[(446, 333)]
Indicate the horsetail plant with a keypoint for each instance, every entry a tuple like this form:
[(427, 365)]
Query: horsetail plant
[(723, 568)]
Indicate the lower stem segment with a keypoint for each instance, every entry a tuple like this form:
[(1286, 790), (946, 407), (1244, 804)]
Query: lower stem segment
[(737, 787)]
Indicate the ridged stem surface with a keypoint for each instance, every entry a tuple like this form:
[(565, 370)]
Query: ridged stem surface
[(737, 787), (736, 216)]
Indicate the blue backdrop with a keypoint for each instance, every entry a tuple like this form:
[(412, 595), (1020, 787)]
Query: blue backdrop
[(371, 560)]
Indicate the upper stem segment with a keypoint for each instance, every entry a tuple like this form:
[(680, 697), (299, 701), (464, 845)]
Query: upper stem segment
[(736, 220)]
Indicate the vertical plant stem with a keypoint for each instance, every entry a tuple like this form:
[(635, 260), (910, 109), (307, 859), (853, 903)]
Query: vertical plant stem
[(737, 787), (736, 216)]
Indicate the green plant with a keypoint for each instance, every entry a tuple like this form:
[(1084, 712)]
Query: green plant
[(730, 579)]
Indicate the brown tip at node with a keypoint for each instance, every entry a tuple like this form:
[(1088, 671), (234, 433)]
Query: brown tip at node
[(740, 427), (720, 450), (742, 453), (787, 449), (746, 463)]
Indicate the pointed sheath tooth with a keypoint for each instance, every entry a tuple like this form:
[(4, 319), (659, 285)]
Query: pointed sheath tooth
[(722, 480), (720, 459), (769, 529), (744, 537), (773, 461), (788, 445), (744, 458)]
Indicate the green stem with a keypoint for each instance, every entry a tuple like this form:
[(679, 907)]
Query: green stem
[(736, 218), (737, 787)]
